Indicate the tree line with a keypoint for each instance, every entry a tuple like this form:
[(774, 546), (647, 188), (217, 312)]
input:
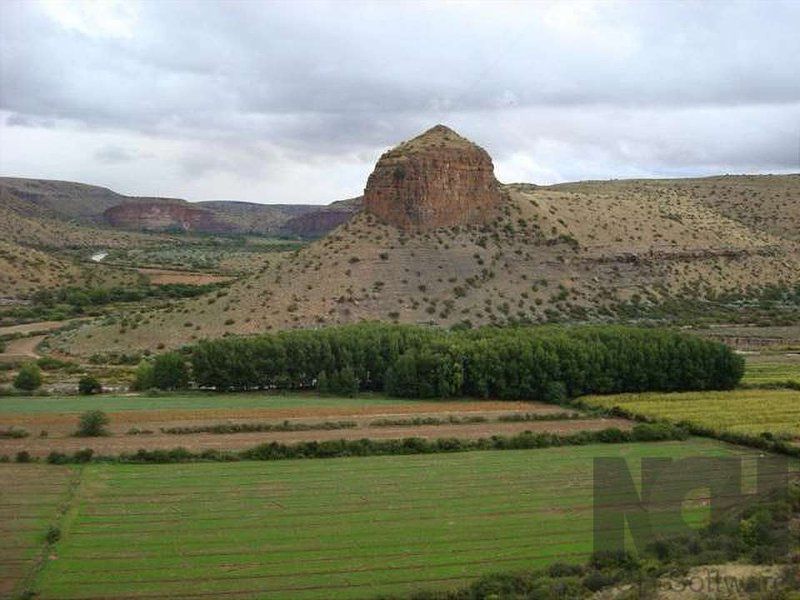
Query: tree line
[(547, 363)]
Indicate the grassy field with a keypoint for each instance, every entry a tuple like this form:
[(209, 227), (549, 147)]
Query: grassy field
[(31, 497), (189, 401), (742, 411), (336, 528), (766, 371)]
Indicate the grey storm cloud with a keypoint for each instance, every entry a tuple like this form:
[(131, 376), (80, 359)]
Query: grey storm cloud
[(249, 100)]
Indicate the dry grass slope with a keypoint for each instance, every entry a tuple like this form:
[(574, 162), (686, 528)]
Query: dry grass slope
[(570, 251)]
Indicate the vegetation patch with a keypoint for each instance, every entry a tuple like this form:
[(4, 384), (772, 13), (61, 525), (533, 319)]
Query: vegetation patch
[(453, 519), (545, 363), (255, 427)]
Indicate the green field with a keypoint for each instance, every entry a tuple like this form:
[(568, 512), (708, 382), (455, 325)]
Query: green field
[(760, 373), (329, 528), (741, 411), (188, 401), (30, 499)]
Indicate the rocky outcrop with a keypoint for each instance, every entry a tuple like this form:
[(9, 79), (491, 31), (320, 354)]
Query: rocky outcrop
[(438, 179), (319, 222), (165, 216)]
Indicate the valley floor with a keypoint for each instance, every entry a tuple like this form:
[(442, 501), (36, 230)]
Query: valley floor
[(337, 528)]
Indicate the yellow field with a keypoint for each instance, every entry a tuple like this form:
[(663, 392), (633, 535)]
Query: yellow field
[(741, 411)]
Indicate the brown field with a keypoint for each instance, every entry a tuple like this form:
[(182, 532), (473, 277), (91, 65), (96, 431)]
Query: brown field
[(116, 444), (60, 426)]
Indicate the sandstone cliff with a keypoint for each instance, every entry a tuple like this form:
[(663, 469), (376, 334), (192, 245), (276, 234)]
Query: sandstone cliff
[(437, 179), (165, 216)]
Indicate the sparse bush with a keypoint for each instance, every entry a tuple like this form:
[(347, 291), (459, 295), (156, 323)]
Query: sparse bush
[(29, 377), (92, 423), (15, 433)]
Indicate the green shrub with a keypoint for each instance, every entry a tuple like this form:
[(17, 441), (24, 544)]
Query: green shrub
[(170, 372), (424, 374), (92, 423), (23, 457), (29, 377), (53, 534), (89, 385), (143, 379), (339, 383)]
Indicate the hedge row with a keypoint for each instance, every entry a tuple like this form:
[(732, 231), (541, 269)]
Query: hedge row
[(225, 428), (644, 432), (546, 363)]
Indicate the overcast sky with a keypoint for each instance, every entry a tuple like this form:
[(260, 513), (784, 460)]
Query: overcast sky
[(295, 101)]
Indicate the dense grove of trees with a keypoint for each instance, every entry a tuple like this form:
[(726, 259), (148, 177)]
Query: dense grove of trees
[(548, 363)]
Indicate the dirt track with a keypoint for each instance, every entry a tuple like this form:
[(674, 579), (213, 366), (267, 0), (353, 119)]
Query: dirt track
[(21, 348), (31, 327)]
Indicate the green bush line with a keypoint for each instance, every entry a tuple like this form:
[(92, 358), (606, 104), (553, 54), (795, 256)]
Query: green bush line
[(532, 417), (643, 432), (421, 421), (544, 363), (766, 441), (223, 428), (788, 384), (466, 420)]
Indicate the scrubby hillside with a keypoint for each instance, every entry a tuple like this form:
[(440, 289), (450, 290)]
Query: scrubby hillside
[(99, 206), (583, 251)]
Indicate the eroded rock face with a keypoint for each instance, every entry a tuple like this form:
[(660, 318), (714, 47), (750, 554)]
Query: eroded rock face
[(317, 223), (437, 179), (165, 216)]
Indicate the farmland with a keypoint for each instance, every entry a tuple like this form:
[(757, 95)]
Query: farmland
[(772, 369), (27, 509), (375, 525), (740, 411), (191, 419)]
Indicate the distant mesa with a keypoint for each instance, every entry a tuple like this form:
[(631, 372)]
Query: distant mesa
[(164, 216), (437, 179)]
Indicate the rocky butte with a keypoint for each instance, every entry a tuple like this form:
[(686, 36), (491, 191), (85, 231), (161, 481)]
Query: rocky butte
[(164, 216), (437, 179)]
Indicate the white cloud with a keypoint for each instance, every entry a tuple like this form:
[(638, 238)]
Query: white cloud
[(94, 18), (293, 102)]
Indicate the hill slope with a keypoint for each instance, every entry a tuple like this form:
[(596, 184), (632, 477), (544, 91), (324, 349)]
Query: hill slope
[(581, 251), (93, 205)]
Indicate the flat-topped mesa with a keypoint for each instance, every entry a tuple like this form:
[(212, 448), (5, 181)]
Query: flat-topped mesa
[(437, 179)]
